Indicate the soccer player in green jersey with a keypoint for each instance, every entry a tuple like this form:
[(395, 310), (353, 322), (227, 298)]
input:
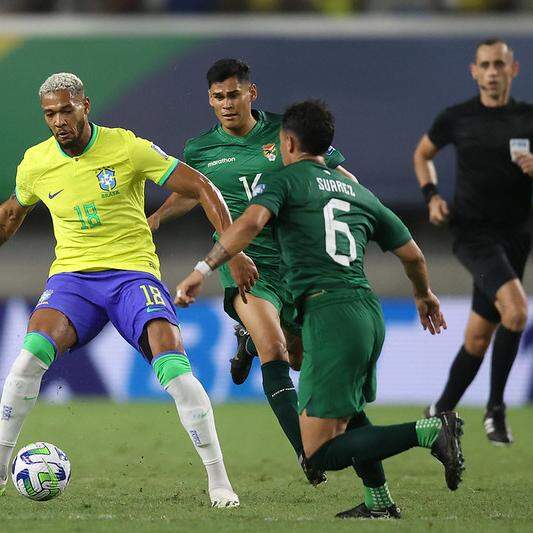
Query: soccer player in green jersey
[(234, 155), (323, 222), (92, 180)]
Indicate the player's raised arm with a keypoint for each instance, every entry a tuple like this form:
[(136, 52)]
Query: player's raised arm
[(175, 206), (237, 237), (427, 179), (12, 214), (428, 305)]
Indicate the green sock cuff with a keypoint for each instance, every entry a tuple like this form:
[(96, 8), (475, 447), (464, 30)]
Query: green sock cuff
[(427, 431), (168, 366), (378, 497), (41, 346)]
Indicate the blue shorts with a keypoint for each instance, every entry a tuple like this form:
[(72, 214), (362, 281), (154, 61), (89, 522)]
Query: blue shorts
[(126, 298)]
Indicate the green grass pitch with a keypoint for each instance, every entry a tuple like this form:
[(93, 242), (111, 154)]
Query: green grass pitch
[(134, 469)]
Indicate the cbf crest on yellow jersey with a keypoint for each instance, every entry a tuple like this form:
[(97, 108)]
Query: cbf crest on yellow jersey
[(96, 199)]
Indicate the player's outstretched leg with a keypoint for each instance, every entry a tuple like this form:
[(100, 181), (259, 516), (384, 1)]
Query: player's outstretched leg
[(21, 389), (378, 502), (375, 443), (241, 362), (196, 414), (262, 322)]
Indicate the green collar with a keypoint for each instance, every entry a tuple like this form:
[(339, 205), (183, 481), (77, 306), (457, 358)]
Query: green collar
[(95, 129)]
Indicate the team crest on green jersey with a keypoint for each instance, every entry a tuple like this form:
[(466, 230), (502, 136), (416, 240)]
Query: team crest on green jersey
[(269, 151)]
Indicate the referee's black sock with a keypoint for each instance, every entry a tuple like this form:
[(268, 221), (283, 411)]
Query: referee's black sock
[(462, 373), (506, 343)]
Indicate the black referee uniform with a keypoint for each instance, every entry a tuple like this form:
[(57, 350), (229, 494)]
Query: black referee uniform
[(488, 218), (492, 200)]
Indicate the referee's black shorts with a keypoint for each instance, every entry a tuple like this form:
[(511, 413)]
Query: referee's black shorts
[(493, 259)]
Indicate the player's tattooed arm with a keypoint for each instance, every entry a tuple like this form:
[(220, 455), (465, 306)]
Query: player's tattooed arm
[(12, 215), (237, 237), (217, 256), (427, 304)]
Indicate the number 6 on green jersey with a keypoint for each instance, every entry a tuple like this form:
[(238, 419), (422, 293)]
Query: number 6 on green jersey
[(335, 226)]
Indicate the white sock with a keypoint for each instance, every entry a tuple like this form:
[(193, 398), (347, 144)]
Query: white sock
[(21, 389), (196, 415)]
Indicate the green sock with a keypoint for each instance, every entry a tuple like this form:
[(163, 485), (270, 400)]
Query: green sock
[(370, 443), (378, 497), (281, 395), (371, 472), (427, 431)]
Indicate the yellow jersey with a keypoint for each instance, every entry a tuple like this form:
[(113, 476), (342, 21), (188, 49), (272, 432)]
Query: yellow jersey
[(96, 199)]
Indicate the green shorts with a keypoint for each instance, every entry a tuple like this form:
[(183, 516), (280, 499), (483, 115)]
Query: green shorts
[(288, 315), (343, 332), (266, 287)]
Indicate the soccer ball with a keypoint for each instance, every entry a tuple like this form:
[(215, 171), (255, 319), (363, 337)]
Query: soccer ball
[(41, 471)]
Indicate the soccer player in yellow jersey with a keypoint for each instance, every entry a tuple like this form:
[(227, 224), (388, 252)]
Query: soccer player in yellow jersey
[(92, 180)]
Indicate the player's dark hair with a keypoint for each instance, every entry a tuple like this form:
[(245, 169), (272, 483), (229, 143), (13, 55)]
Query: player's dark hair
[(226, 68), (490, 42), (313, 125)]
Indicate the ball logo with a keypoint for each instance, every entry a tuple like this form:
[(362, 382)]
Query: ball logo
[(269, 151)]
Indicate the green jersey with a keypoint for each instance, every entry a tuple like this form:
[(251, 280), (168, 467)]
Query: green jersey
[(236, 164), (323, 224)]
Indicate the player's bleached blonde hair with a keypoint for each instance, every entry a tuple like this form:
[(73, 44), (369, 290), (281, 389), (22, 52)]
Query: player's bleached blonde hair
[(62, 81)]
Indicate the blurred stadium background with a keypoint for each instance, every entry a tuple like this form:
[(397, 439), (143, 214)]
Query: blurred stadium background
[(385, 67)]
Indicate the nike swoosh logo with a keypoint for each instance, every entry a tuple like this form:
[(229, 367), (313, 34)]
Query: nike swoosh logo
[(153, 309), (30, 397), (52, 196)]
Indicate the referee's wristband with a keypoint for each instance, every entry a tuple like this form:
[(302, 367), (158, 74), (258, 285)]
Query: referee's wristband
[(429, 190), (203, 268)]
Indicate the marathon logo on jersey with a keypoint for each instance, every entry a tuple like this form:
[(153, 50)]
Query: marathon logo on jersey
[(45, 296), (330, 150), (220, 161), (269, 151), (6, 412), (161, 152), (108, 182)]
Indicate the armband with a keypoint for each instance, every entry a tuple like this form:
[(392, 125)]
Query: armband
[(203, 268), (429, 190)]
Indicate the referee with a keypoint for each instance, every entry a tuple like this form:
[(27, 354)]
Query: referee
[(492, 134)]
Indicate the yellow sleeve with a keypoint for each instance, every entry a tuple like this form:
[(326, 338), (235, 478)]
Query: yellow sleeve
[(24, 185), (149, 161)]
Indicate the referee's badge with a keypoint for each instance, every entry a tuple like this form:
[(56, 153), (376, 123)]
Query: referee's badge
[(518, 147)]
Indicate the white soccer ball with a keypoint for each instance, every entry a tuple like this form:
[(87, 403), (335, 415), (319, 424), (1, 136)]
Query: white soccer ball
[(41, 471)]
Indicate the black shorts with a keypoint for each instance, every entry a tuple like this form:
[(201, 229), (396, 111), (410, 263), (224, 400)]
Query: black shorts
[(493, 260)]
